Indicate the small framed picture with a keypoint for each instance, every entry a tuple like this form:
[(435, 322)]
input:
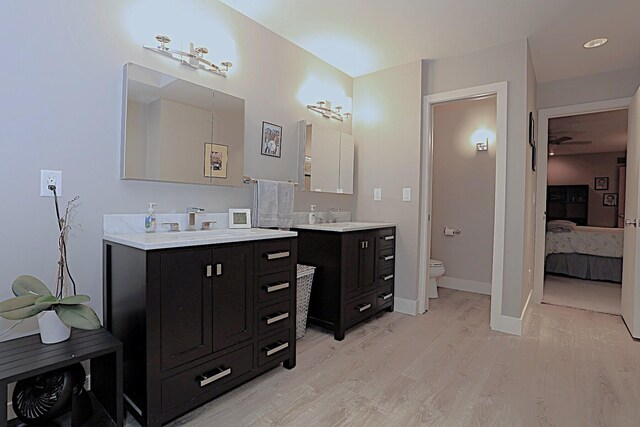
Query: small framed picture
[(215, 160), (532, 131), (271, 140), (601, 183), (610, 199), (239, 218)]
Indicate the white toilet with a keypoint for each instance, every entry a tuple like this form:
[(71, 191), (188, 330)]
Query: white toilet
[(436, 269)]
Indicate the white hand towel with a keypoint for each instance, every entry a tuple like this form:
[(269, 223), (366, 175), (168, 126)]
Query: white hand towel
[(286, 193), (265, 204)]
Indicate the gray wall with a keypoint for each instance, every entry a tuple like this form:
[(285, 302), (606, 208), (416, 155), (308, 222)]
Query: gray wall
[(463, 188), (507, 62), (592, 88), (528, 264), (62, 99), (581, 169), (386, 127)]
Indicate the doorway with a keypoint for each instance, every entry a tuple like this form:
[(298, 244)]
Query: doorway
[(499, 90), (585, 195), (579, 261)]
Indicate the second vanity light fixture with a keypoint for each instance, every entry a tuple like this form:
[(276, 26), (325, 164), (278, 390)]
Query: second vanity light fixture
[(194, 58), (324, 108)]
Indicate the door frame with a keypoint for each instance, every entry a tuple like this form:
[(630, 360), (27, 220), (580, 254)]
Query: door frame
[(541, 180), (500, 90)]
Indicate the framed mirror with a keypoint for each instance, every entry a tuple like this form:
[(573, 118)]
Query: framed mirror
[(178, 131), (325, 160)]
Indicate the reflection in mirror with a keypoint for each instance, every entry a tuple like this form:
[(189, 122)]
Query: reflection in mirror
[(326, 159), (178, 131)]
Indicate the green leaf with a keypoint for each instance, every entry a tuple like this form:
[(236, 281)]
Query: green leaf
[(17, 303), (29, 285), (78, 316), (47, 299), (25, 312), (75, 299)]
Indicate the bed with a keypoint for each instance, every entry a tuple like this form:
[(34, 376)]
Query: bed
[(592, 253)]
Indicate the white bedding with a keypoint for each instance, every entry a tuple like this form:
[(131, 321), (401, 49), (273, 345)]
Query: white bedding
[(598, 241)]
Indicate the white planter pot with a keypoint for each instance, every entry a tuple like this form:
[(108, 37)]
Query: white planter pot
[(52, 330)]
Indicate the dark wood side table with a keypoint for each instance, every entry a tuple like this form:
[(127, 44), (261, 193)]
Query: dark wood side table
[(26, 357)]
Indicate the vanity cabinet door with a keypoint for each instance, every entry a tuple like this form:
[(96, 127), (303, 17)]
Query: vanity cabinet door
[(185, 310), (232, 295), (367, 263), (359, 262)]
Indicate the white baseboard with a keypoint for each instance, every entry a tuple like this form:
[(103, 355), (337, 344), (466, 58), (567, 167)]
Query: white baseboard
[(464, 285), (513, 325), (405, 306)]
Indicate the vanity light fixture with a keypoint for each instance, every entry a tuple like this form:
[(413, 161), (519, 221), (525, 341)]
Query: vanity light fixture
[(595, 42), (194, 58), (482, 145), (324, 108)]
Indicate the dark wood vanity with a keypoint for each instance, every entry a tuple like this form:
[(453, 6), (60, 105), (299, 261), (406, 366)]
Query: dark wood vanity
[(198, 321), (354, 276)]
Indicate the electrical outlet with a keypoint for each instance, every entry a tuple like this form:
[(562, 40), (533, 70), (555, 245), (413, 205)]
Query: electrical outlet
[(406, 194), (377, 194), (47, 178)]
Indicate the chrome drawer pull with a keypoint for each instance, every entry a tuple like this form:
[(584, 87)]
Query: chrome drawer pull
[(364, 307), (387, 277), (388, 257), (389, 237), (279, 286), (206, 379), (386, 296), (276, 318), (278, 255), (209, 271), (271, 351)]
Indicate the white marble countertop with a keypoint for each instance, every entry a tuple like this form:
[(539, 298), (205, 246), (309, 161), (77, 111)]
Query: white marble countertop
[(344, 227), (180, 239)]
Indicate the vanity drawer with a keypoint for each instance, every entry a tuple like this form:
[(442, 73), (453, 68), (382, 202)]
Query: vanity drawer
[(386, 259), (359, 309), (274, 348), (274, 317), (272, 287), (385, 295), (208, 377), (386, 278), (387, 238), (274, 255)]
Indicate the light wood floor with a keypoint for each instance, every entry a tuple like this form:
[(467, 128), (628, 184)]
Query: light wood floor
[(604, 297), (446, 368)]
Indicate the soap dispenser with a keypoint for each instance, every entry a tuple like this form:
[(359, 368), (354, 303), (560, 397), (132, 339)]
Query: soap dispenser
[(312, 215), (150, 219)]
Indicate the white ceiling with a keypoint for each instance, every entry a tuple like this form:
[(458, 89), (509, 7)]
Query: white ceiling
[(362, 36), (607, 132)]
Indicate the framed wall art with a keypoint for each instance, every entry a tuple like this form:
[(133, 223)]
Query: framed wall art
[(271, 140), (601, 183), (215, 160)]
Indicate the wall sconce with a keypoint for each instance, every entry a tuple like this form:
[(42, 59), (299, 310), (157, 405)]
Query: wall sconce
[(482, 145), (324, 108), (194, 58)]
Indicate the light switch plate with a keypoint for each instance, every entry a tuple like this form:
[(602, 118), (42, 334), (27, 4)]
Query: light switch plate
[(406, 194), (377, 194), (45, 176)]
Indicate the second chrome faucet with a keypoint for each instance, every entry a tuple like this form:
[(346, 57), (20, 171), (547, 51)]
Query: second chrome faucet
[(192, 217)]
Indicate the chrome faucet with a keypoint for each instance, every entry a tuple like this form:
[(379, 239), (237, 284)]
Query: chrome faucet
[(332, 215), (192, 217)]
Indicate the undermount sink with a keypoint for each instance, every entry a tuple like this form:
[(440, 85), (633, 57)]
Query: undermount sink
[(344, 226)]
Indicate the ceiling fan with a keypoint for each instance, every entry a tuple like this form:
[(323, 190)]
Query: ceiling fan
[(566, 140)]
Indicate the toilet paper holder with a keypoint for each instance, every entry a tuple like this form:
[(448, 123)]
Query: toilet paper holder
[(448, 231)]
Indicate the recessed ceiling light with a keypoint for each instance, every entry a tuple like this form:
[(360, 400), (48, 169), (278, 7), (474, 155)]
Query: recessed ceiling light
[(596, 42)]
